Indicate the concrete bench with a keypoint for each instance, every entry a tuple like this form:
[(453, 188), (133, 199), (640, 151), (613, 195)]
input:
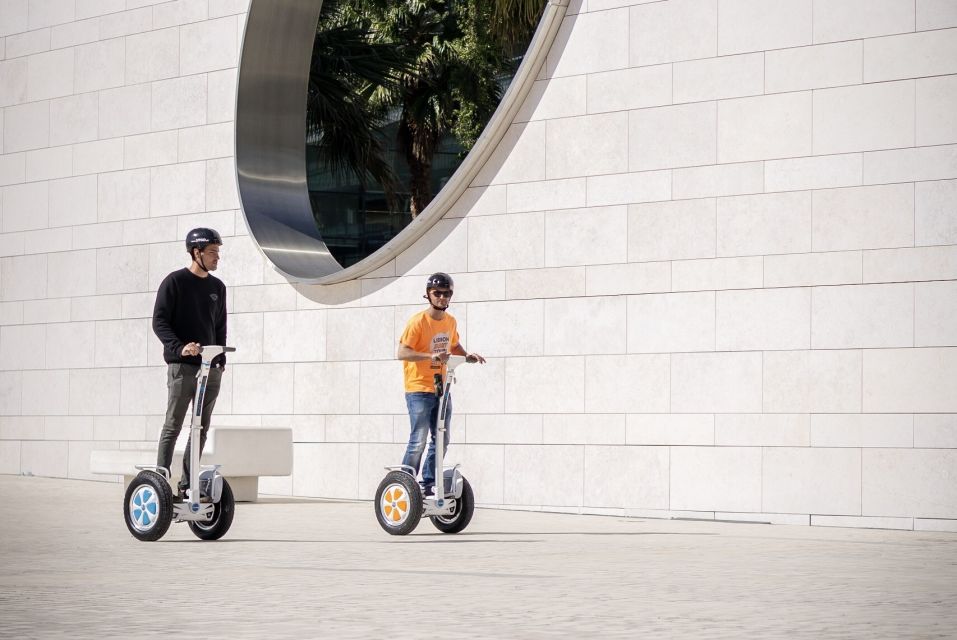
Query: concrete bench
[(245, 453)]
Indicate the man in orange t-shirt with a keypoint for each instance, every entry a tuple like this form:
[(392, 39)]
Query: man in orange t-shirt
[(430, 337)]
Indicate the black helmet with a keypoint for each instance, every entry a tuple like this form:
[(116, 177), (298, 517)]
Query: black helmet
[(200, 238), (439, 280)]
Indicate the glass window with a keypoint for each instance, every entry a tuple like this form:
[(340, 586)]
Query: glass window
[(398, 94)]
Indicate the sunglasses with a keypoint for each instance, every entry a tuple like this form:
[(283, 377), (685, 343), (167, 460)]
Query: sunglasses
[(441, 293)]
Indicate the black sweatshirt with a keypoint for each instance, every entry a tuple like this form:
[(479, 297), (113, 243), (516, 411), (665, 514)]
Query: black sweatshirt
[(190, 309)]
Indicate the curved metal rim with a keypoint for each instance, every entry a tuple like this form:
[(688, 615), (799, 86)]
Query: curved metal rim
[(153, 499), (492, 135), (385, 505)]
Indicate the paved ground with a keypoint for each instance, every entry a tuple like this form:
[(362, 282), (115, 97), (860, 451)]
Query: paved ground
[(311, 569)]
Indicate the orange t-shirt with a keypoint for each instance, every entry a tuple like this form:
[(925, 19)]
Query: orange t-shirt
[(425, 335)]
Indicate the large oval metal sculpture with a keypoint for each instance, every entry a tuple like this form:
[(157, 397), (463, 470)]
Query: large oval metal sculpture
[(271, 146)]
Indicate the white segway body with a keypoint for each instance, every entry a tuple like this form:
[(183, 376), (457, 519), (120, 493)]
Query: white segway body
[(399, 502), (149, 507)]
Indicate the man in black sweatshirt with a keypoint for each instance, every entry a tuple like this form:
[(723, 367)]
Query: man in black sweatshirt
[(190, 312)]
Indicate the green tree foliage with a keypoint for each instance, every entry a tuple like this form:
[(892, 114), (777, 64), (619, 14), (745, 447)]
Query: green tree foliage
[(514, 20), (436, 66), (348, 68)]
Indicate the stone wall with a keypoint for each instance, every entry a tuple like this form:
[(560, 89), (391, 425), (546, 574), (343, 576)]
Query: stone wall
[(713, 263)]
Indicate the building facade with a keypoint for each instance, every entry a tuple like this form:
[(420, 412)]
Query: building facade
[(712, 263)]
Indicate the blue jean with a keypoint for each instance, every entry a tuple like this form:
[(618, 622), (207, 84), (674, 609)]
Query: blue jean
[(424, 416)]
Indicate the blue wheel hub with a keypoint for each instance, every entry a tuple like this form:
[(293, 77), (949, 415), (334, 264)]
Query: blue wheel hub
[(144, 508)]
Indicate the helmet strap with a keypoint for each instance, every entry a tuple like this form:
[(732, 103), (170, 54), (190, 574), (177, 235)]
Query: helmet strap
[(432, 304), (199, 260)]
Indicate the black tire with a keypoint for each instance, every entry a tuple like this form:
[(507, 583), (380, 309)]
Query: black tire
[(148, 506), (398, 503), (460, 518), (222, 517)]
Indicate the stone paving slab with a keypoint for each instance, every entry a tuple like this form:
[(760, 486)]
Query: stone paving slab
[(319, 569)]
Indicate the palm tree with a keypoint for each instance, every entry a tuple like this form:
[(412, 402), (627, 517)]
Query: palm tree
[(450, 85), (434, 66), (343, 120), (463, 51), (515, 20)]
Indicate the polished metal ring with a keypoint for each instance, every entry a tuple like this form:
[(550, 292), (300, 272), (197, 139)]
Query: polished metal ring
[(271, 142)]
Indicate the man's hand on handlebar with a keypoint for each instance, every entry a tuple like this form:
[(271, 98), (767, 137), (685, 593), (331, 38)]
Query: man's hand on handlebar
[(192, 349), (472, 358), (442, 356)]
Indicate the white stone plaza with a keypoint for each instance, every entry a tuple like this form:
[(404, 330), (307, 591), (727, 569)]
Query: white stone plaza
[(307, 568)]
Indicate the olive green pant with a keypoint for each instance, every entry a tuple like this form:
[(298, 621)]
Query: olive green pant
[(181, 383)]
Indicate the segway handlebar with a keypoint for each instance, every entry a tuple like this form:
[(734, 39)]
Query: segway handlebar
[(449, 366), (455, 361), (210, 351)]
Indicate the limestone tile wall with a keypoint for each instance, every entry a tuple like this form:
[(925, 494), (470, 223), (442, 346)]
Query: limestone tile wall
[(713, 263), (110, 141)]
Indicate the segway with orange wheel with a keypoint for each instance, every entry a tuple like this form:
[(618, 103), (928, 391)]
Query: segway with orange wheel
[(399, 503)]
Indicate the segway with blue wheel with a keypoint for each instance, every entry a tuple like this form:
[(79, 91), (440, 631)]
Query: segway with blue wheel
[(399, 503), (149, 506)]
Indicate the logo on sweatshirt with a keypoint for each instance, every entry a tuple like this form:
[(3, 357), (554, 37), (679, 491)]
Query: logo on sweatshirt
[(214, 297)]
